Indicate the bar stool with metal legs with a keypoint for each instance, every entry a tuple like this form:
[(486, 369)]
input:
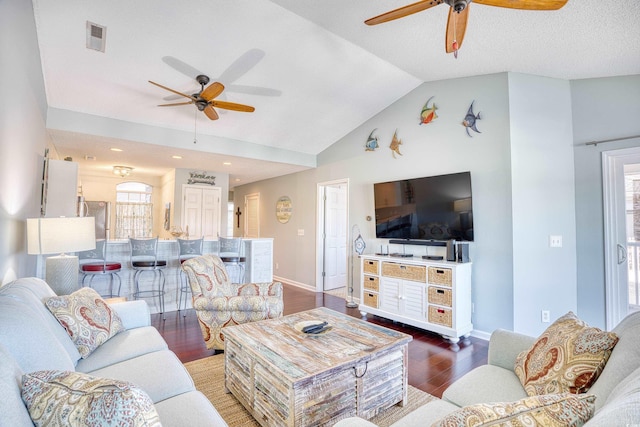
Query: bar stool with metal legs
[(94, 263), (188, 249), (229, 251), (144, 257)]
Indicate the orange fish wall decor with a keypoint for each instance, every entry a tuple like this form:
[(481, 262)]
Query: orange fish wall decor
[(428, 114)]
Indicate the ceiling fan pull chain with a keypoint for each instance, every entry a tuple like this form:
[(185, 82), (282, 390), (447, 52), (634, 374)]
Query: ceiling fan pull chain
[(195, 126)]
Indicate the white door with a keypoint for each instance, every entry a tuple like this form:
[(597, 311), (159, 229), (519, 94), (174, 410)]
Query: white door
[(201, 211), (252, 215), (335, 242), (622, 232)]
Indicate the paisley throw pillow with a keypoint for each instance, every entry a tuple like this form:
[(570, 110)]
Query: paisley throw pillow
[(551, 410), (63, 398), (568, 357), (86, 317)]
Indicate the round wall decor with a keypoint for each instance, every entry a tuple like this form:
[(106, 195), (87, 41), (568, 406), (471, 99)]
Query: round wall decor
[(283, 209)]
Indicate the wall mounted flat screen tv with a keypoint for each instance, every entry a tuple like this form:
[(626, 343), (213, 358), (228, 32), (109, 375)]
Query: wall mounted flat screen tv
[(429, 208)]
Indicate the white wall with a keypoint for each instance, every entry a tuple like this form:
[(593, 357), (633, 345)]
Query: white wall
[(22, 135), (604, 108)]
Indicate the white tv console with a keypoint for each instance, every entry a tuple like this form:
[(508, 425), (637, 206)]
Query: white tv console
[(427, 294)]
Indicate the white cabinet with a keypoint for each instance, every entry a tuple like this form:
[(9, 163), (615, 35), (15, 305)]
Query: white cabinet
[(259, 260), (61, 188), (431, 295), (201, 209)]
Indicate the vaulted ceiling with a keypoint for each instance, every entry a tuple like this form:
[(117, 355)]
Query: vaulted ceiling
[(311, 68)]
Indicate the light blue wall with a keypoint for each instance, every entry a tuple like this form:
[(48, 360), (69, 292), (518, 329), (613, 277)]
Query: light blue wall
[(523, 191), (543, 200), (604, 108), (22, 135)]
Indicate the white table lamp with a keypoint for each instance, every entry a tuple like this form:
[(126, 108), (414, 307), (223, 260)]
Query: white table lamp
[(58, 236)]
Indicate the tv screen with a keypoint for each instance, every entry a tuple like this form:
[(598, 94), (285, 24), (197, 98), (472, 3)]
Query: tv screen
[(429, 208)]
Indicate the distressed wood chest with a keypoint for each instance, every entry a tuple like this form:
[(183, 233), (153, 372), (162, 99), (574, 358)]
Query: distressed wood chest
[(285, 377)]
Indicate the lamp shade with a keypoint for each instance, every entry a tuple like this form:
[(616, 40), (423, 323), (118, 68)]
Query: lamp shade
[(60, 235)]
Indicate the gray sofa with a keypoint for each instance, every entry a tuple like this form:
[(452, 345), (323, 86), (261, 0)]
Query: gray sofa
[(31, 339), (617, 388)]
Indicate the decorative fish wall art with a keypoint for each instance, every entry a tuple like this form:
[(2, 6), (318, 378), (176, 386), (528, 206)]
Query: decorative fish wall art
[(395, 144), (470, 119), (428, 114), (372, 142)]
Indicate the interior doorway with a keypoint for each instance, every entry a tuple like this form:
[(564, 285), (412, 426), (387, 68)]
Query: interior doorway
[(621, 195), (333, 235), (252, 215)]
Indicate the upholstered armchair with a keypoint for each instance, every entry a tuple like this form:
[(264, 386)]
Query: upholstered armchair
[(219, 303)]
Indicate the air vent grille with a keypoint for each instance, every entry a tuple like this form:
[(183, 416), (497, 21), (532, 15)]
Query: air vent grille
[(96, 36)]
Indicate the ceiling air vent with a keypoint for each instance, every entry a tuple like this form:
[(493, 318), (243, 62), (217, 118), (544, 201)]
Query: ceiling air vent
[(96, 36)]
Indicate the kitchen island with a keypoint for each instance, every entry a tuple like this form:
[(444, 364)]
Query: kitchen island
[(258, 268)]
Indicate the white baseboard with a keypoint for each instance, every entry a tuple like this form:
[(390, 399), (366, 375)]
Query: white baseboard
[(294, 283), (481, 334)]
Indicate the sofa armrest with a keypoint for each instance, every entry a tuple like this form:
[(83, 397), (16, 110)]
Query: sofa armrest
[(134, 314), (504, 347)]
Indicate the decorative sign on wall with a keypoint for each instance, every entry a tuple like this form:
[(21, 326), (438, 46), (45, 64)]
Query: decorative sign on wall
[(201, 178), (284, 209)]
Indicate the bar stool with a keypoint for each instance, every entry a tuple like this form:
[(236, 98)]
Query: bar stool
[(94, 263), (229, 251), (187, 249), (144, 257)]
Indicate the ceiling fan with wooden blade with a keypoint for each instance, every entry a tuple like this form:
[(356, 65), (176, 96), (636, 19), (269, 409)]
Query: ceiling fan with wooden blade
[(459, 13), (205, 99)]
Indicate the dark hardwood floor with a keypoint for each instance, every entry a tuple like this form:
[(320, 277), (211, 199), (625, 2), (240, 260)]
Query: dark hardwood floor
[(433, 362)]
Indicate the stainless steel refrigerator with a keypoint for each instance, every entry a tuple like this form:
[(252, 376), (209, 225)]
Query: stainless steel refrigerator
[(101, 211)]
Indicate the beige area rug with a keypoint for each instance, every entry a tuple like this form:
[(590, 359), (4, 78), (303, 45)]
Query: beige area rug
[(208, 375)]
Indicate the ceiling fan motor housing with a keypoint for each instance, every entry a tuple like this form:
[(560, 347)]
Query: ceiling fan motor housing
[(458, 5)]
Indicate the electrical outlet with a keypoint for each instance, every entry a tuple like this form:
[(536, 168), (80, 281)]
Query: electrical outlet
[(300, 232), (277, 266), (546, 316), (555, 241)]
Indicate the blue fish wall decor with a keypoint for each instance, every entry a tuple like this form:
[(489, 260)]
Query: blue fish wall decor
[(470, 119), (372, 142)]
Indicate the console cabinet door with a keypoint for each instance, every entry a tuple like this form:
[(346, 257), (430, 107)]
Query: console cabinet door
[(413, 299), (390, 294)]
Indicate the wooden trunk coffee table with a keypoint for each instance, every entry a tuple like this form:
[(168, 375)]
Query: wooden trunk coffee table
[(285, 377)]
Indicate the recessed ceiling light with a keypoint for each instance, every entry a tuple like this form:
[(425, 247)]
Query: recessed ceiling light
[(227, 163), (116, 149), (176, 157), (237, 179)]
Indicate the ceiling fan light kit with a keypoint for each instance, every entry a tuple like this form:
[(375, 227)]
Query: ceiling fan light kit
[(459, 13)]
